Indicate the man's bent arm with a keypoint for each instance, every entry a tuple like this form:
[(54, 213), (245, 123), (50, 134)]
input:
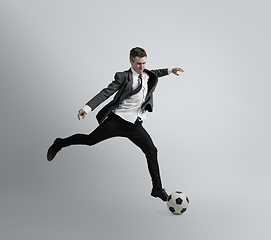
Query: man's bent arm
[(100, 97), (105, 93)]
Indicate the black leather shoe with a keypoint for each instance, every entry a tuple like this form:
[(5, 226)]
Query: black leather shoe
[(161, 193), (53, 150)]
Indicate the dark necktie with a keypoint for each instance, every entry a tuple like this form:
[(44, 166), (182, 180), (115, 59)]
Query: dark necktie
[(135, 91)]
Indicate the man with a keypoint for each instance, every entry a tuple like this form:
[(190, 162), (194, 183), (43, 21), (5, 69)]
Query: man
[(123, 116)]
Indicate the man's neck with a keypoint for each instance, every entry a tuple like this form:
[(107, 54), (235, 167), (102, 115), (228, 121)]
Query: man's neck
[(134, 72)]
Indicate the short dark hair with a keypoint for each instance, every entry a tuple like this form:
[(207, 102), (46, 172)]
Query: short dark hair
[(137, 52)]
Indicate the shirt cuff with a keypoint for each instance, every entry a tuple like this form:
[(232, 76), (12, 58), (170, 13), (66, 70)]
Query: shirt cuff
[(169, 70), (87, 108)]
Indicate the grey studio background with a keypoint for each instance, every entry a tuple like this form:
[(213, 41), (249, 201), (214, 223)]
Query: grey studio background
[(211, 124)]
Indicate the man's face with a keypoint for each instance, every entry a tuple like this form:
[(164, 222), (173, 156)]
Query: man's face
[(138, 64)]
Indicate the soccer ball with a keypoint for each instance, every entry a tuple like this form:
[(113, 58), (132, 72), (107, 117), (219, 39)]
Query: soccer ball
[(177, 202)]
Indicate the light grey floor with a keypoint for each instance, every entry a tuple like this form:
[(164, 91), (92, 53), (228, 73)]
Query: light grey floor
[(211, 125), (66, 199)]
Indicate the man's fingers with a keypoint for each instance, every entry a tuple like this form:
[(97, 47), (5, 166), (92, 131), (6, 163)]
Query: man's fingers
[(176, 72), (179, 69), (80, 113)]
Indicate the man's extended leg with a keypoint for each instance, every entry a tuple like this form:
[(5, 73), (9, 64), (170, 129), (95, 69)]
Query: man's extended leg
[(140, 137), (107, 129)]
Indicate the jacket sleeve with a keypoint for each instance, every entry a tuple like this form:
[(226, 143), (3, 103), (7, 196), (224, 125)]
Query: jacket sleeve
[(160, 72), (106, 92)]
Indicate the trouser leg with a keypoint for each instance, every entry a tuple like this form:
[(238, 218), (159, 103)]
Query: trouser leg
[(115, 126), (106, 130), (140, 137)]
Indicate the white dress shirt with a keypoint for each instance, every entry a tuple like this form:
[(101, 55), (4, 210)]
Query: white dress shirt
[(130, 108)]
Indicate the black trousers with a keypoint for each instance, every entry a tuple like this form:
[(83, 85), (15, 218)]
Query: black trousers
[(115, 126)]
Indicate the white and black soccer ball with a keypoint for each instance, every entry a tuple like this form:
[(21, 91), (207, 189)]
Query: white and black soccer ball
[(177, 202)]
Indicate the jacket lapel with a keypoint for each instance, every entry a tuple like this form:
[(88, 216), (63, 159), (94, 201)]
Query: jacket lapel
[(130, 80), (152, 82)]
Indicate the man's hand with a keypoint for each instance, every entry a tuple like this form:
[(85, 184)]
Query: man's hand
[(81, 113), (176, 70)]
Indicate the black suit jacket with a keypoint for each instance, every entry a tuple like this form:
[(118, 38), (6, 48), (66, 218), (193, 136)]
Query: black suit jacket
[(122, 84)]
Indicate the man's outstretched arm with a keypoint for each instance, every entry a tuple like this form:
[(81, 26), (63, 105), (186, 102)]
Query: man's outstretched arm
[(165, 71)]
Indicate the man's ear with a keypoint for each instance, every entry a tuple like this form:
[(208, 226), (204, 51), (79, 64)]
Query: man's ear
[(131, 61)]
